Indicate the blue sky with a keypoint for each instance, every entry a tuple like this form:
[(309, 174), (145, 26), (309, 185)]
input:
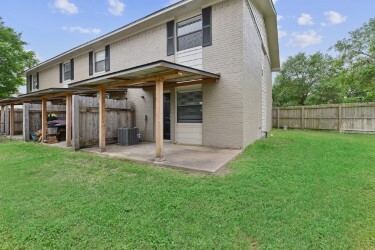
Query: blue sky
[(54, 26)]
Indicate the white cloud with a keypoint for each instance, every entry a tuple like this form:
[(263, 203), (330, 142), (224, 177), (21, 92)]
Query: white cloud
[(82, 30), (116, 7), (282, 34), (279, 18), (305, 39), (66, 7), (335, 17), (274, 1), (323, 24), (305, 19)]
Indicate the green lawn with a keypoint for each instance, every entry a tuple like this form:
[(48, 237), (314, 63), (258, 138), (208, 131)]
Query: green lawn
[(294, 190)]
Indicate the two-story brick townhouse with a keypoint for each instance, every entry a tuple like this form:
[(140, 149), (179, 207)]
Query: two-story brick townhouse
[(234, 38)]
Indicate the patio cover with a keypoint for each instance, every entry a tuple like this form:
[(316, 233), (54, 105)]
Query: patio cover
[(144, 76)]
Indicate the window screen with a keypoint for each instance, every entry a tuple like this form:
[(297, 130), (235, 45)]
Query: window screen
[(189, 33), (189, 107), (67, 71), (100, 61)]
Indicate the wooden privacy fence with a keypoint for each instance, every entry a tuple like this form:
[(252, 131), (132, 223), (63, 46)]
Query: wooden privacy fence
[(119, 114), (85, 125), (35, 115), (354, 117), (17, 121)]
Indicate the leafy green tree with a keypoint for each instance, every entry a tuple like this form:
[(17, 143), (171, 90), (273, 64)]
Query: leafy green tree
[(357, 55), (14, 59), (320, 79), (305, 79)]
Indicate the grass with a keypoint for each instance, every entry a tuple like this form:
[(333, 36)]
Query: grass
[(294, 190)]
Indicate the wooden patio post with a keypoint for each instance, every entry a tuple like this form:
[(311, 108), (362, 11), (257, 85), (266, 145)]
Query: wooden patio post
[(159, 119), (2, 119), (75, 122), (44, 118), (68, 110), (11, 120), (26, 122), (102, 122)]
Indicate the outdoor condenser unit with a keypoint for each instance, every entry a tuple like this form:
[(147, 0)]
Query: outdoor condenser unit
[(128, 136)]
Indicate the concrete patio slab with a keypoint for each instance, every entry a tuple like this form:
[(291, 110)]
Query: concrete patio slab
[(195, 158)]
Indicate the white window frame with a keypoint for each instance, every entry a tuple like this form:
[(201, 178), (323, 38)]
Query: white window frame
[(94, 61), (188, 90), (180, 36), (63, 69)]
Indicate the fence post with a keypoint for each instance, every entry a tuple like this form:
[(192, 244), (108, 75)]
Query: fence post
[(75, 122), (11, 120), (26, 122), (2, 119), (303, 118), (340, 118), (278, 118), (6, 121)]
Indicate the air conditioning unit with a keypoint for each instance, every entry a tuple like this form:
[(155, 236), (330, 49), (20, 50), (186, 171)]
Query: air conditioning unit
[(128, 136)]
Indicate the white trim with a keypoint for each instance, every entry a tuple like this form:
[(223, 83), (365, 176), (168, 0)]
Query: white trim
[(63, 69), (184, 128), (94, 62)]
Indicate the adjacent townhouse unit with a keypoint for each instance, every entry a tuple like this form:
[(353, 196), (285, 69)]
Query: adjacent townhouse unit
[(199, 71)]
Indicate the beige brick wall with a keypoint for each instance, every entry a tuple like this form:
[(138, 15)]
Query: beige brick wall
[(252, 94), (145, 47), (142, 48), (222, 101), (49, 78), (143, 107)]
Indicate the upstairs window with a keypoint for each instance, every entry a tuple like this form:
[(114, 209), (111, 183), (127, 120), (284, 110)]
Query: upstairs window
[(35, 82), (100, 61), (189, 33), (67, 71), (189, 107)]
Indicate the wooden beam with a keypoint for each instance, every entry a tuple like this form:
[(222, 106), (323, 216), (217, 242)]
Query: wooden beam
[(44, 118), (125, 83), (173, 85), (75, 122), (68, 110), (102, 121), (26, 122), (11, 120), (2, 119), (159, 120)]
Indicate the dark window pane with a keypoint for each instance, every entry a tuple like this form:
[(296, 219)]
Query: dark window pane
[(100, 66), (190, 41), (67, 71), (67, 75), (189, 107)]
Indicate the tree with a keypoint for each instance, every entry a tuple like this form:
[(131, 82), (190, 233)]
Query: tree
[(14, 59), (319, 78), (306, 80), (357, 55)]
